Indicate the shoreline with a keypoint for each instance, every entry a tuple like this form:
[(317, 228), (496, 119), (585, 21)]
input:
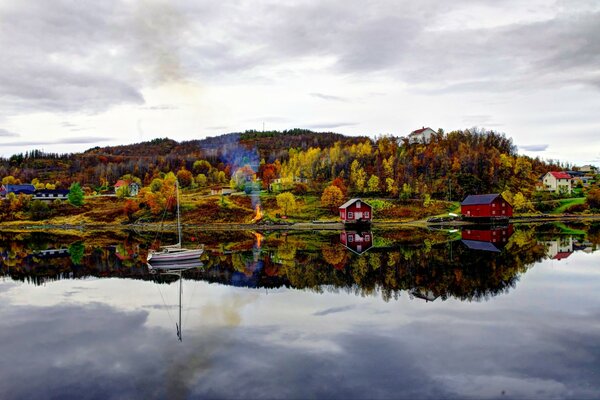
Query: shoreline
[(298, 226)]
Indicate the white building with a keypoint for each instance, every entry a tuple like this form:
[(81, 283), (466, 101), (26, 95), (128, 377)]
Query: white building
[(555, 181), (422, 135)]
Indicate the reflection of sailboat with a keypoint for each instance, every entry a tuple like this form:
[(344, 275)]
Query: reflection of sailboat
[(175, 253), (177, 270)]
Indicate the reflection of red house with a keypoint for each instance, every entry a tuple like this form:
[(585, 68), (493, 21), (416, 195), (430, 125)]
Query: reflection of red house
[(490, 239), (355, 210), (561, 256), (358, 242), (486, 206)]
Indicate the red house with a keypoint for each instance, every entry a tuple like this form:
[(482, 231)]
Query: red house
[(356, 211), (358, 242), (490, 206)]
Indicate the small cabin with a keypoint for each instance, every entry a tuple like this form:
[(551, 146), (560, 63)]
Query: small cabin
[(486, 206), (220, 191), (356, 211), (133, 187), (51, 194), (357, 242)]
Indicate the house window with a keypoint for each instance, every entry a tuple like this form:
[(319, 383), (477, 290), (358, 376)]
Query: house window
[(367, 238), (503, 204), (503, 212), (358, 204), (351, 238), (494, 212), (366, 214), (350, 215), (493, 204)]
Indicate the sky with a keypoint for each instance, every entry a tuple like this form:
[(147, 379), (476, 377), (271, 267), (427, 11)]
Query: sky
[(80, 74)]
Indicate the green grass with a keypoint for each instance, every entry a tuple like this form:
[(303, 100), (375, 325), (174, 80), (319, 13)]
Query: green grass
[(568, 230), (566, 203)]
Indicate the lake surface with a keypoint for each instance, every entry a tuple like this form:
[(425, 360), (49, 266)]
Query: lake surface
[(482, 313)]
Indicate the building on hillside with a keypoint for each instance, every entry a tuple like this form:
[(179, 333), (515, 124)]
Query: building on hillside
[(589, 169), (556, 181), (357, 242), (134, 187), (17, 189), (220, 191), (356, 211), (486, 206), (422, 135), (50, 195), (486, 239)]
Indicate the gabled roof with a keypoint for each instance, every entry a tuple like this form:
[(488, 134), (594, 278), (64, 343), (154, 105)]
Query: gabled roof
[(418, 131), (560, 175), (121, 182), (475, 199), (349, 202), (479, 245)]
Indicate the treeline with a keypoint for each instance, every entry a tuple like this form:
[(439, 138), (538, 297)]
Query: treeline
[(449, 166)]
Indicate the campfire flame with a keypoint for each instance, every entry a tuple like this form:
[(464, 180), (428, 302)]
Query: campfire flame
[(259, 214)]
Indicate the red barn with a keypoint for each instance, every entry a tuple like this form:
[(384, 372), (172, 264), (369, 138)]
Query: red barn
[(356, 211), (358, 242), (491, 206)]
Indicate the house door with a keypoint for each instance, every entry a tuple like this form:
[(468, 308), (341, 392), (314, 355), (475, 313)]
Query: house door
[(358, 215)]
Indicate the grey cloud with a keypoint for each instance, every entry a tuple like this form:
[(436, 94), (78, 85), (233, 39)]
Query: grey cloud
[(71, 140), (327, 97), (90, 56), (5, 133), (329, 125), (534, 147)]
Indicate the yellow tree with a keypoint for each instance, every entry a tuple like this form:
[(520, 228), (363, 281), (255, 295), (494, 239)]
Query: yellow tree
[(286, 201), (332, 197)]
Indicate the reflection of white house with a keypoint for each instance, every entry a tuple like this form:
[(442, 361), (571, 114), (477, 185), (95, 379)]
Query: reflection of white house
[(424, 294), (422, 135), (559, 248), (555, 181)]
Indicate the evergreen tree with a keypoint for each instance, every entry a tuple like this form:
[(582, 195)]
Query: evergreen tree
[(75, 195)]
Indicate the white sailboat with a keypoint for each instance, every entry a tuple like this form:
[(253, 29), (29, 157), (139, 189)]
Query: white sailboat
[(175, 253)]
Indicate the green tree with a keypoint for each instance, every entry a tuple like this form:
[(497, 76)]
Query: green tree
[(77, 251), (201, 180), (286, 201), (75, 195)]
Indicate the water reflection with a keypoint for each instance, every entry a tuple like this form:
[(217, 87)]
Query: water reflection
[(480, 263), (110, 338)]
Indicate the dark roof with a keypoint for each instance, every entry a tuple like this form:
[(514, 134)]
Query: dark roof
[(479, 245), (20, 188), (474, 199)]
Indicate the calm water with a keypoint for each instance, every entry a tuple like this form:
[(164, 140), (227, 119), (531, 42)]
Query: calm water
[(502, 313)]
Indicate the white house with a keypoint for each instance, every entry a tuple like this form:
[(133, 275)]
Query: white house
[(588, 169), (422, 135), (555, 181)]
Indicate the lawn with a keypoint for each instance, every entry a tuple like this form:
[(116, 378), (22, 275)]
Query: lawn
[(566, 203)]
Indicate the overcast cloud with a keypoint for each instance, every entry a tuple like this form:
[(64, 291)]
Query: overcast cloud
[(182, 67)]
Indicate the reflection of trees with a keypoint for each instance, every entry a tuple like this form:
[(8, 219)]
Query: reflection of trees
[(303, 261)]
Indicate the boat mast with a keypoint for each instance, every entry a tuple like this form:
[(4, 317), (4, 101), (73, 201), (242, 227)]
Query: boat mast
[(178, 218), (179, 335)]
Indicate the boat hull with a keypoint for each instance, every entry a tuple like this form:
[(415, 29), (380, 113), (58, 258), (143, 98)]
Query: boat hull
[(166, 257)]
